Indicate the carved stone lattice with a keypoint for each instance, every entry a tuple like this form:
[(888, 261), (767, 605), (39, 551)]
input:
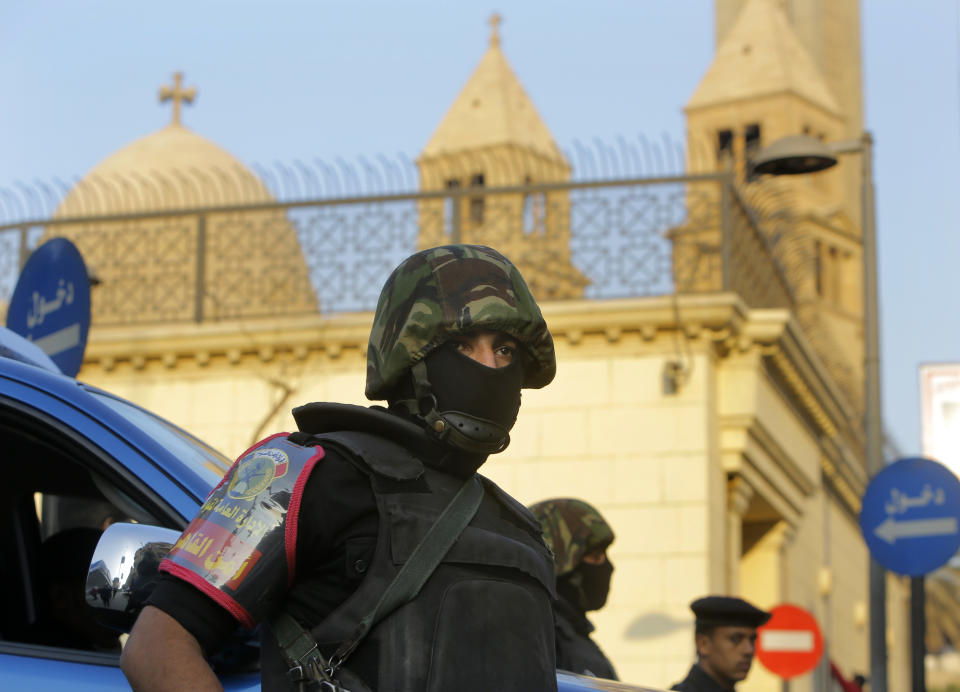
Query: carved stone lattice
[(614, 240)]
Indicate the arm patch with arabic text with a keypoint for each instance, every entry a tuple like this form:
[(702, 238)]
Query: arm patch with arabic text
[(240, 549)]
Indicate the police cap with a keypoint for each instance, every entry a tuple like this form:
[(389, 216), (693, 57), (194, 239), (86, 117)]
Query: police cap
[(727, 611)]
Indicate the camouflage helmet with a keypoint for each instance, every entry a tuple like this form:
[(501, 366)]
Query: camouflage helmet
[(572, 528), (446, 291)]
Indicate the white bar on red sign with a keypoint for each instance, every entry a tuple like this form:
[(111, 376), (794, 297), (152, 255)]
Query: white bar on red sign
[(786, 640)]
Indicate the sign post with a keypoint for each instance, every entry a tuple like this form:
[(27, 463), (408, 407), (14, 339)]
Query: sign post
[(50, 305), (910, 519), (790, 644)]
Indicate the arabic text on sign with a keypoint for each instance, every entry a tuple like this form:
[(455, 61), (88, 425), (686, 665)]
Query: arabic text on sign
[(900, 502), (41, 307)]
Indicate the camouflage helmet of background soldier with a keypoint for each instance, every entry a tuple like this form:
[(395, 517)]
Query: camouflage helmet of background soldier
[(571, 528), (436, 295)]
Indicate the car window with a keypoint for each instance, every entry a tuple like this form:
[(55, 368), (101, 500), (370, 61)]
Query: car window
[(57, 496), (204, 460), (61, 484)]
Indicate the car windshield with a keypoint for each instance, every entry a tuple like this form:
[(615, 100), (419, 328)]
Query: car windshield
[(204, 460)]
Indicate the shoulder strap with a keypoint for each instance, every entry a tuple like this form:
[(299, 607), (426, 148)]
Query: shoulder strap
[(377, 453), (367, 451), (299, 646)]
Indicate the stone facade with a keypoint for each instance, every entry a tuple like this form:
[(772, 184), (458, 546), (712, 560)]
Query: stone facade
[(738, 479)]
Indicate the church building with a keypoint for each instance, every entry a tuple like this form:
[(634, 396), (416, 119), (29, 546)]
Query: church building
[(718, 432)]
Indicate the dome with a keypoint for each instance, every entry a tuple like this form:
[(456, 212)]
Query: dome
[(173, 168), (190, 266)]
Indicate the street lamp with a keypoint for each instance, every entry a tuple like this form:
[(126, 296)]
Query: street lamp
[(800, 154), (795, 155)]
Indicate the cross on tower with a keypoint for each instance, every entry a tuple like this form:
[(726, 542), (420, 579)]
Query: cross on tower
[(495, 20), (177, 94)]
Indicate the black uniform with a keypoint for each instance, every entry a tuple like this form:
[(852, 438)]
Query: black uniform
[(576, 651), (697, 680), (719, 611), (483, 620)]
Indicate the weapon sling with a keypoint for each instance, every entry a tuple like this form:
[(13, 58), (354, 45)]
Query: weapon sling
[(299, 646)]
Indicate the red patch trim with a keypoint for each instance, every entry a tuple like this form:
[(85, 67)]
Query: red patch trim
[(293, 513), (238, 612)]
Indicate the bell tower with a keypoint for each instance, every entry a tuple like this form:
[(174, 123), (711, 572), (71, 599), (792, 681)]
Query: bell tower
[(766, 83), (493, 137), (829, 31)]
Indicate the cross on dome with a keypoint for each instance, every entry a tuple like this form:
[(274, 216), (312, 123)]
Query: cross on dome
[(177, 94), (495, 20)]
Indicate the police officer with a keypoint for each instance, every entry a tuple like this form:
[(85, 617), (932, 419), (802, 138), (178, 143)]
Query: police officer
[(309, 535), (579, 537), (725, 635)]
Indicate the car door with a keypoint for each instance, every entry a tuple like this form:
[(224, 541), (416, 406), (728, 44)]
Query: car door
[(72, 464)]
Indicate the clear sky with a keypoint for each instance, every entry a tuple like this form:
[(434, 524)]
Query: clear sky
[(283, 80)]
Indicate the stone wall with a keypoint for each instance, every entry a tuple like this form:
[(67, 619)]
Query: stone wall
[(656, 460)]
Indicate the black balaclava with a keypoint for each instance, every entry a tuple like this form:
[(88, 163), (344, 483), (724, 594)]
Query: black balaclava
[(587, 585), (463, 404), (462, 385)]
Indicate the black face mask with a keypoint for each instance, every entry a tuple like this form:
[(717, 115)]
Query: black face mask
[(587, 585), (461, 384)]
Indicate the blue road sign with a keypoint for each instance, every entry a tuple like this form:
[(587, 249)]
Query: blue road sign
[(910, 516), (50, 305)]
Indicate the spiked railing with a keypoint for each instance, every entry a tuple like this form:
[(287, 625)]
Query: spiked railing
[(299, 180), (174, 246)]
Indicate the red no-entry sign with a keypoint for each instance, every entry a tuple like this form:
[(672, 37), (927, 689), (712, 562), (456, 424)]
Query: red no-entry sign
[(790, 644)]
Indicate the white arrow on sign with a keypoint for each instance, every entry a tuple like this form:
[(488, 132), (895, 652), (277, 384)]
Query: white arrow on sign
[(60, 340), (890, 530)]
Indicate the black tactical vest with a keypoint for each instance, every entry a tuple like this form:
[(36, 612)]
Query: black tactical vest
[(576, 651), (483, 621)]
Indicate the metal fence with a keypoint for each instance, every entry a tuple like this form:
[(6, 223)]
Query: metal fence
[(594, 239)]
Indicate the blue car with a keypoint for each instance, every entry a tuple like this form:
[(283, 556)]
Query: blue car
[(78, 459)]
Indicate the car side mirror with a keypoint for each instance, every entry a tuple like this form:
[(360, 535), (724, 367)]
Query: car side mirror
[(124, 570)]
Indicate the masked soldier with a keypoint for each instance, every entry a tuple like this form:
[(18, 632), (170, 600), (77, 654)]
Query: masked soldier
[(579, 537), (725, 635), (337, 539)]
